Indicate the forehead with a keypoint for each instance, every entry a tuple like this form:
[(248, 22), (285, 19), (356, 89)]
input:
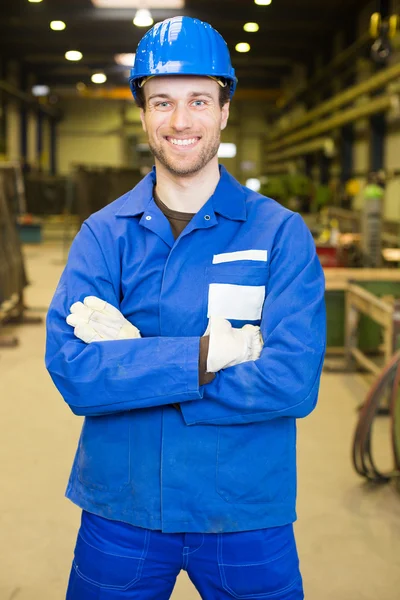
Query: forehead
[(180, 86)]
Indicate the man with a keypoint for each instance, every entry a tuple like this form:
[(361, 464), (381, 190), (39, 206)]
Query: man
[(188, 328)]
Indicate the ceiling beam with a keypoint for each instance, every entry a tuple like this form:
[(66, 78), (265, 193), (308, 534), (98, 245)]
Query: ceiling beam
[(204, 11), (123, 93), (84, 74), (99, 41), (51, 61)]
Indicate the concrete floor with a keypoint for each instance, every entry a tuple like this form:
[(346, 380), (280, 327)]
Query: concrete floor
[(348, 533)]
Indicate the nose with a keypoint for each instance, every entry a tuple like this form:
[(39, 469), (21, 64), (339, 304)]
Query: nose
[(181, 118)]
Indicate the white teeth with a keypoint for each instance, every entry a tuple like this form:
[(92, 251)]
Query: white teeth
[(182, 142)]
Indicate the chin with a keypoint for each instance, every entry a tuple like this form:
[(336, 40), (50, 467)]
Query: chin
[(182, 169), (180, 172)]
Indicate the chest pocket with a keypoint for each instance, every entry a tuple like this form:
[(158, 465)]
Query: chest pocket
[(236, 291)]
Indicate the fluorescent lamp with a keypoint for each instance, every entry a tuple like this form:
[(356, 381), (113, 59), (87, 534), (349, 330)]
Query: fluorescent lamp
[(227, 150), (40, 90), (57, 25), (251, 27), (34, 1), (242, 47), (99, 78), (253, 184), (263, 2), (126, 60), (139, 3), (74, 55), (143, 18)]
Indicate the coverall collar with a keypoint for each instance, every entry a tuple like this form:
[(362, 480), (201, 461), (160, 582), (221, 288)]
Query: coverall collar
[(228, 200)]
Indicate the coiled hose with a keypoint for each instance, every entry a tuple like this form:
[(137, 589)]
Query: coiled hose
[(387, 384)]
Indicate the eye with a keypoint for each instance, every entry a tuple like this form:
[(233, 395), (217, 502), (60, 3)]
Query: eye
[(163, 105), (199, 103)]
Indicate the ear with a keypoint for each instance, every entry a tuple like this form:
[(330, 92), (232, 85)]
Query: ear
[(143, 120), (225, 115)]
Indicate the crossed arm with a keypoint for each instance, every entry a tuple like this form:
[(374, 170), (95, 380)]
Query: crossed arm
[(127, 374)]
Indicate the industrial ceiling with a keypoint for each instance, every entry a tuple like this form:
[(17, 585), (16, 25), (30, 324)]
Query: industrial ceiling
[(290, 32)]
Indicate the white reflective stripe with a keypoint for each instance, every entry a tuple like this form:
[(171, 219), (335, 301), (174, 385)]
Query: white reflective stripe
[(260, 255), (241, 302)]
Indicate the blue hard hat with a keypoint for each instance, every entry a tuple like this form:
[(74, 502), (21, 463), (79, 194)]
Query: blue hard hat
[(182, 46)]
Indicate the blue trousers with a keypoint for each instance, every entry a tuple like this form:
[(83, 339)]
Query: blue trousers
[(115, 560)]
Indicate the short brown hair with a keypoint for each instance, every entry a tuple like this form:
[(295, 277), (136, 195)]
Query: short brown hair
[(224, 96)]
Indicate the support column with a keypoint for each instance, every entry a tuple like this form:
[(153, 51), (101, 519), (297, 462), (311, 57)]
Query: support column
[(39, 141), (53, 147), (23, 123)]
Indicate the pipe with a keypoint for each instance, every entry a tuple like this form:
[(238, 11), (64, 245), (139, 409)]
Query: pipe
[(376, 105), (372, 83), (326, 144), (340, 60)]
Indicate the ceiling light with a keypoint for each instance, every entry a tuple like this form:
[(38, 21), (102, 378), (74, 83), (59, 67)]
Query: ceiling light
[(40, 90), (254, 184), (242, 47), (139, 3), (143, 18), (251, 27), (74, 55), (99, 78), (126, 60), (34, 1), (263, 2), (57, 25)]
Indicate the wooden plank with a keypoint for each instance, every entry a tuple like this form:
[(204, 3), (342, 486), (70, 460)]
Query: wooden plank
[(336, 285), (8, 306), (335, 350), (388, 342), (338, 279), (373, 301), (365, 361), (373, 307), (369, 310)]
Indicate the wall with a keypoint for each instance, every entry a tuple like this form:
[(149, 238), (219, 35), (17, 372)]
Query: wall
[(251, 132), (99, 132), (90, 134)]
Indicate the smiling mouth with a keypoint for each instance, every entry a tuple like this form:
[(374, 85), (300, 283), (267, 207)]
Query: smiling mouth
[(182, 142)]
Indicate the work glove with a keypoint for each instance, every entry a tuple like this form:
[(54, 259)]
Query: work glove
[(95, 320), (230, 346)]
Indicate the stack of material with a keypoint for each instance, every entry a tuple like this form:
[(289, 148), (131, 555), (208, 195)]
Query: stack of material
[(13, 278), (95, 187), (14, 187), (46, 194)]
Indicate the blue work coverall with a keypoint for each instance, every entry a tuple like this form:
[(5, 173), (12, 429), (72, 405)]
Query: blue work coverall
[(226, 462)]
